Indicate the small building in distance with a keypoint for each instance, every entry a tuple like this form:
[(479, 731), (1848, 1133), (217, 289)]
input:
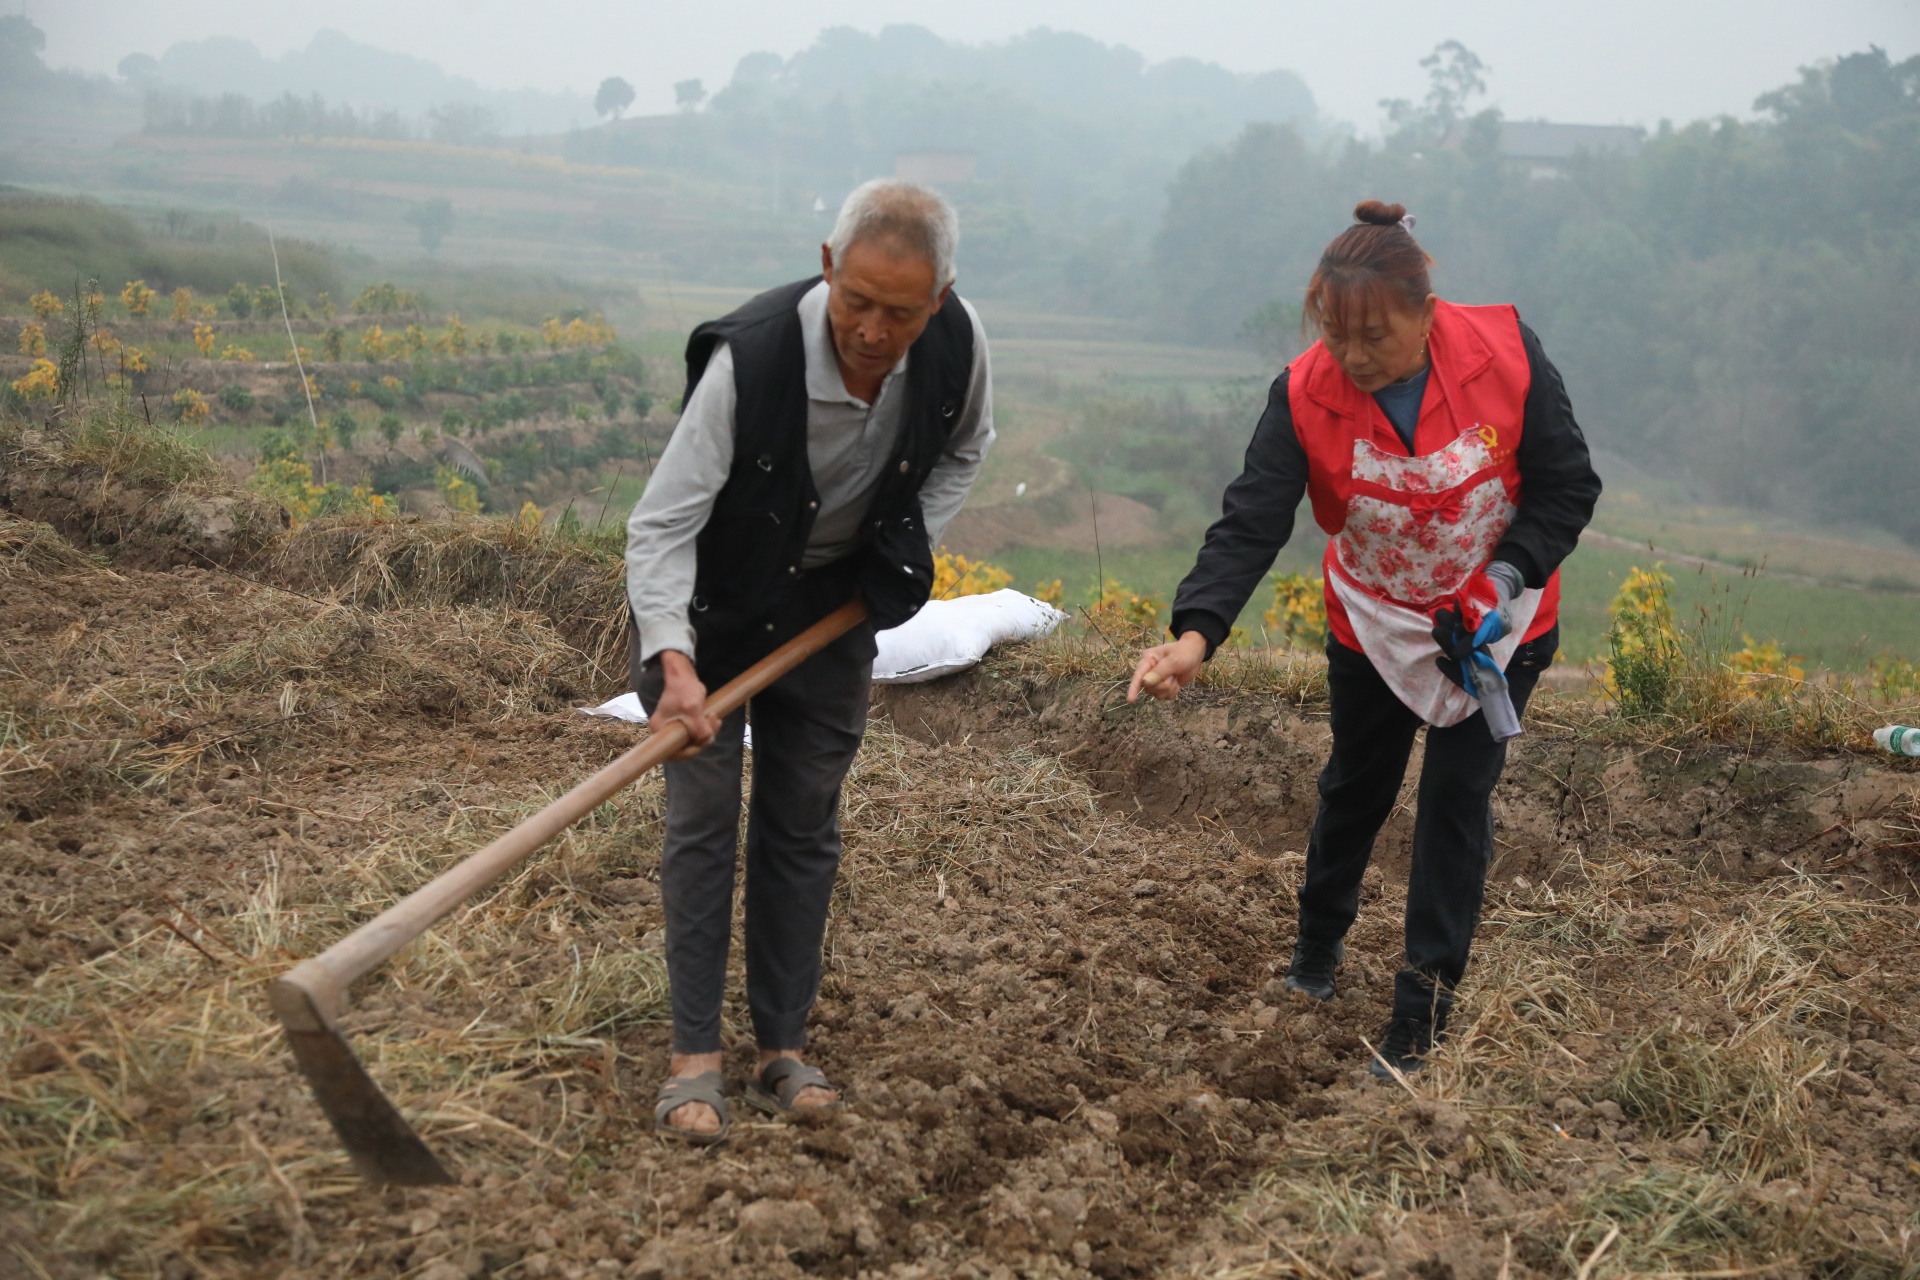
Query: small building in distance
[(936, 168), (1546, 148)]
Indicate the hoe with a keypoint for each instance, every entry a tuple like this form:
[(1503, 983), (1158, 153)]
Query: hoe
[(310, 997)]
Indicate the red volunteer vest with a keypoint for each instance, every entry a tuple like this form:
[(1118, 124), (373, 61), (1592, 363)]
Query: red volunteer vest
[(1408, 529)]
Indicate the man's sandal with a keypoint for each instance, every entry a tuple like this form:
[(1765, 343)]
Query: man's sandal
[(708, 1087), (781, 1081)]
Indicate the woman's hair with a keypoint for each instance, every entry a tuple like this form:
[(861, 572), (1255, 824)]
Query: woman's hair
[(1374, 263)]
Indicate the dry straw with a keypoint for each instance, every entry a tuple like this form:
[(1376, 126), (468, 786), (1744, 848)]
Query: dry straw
[(1720, 1098)]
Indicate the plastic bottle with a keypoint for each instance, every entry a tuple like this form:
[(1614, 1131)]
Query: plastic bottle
[(1900, 739)]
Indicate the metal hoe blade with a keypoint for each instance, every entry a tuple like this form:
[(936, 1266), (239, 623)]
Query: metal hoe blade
[(385, 1149), (309, 997)]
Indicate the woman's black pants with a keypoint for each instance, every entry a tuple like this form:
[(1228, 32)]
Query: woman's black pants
[(1373, 734)]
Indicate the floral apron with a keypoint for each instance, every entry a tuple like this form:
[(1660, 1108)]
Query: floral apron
[(1417, 529)]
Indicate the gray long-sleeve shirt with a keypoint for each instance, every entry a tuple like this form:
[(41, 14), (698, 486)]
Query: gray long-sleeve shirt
[(848, 444)]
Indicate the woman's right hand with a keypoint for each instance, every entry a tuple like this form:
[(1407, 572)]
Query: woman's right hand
[(684, 698), (1166, 669)]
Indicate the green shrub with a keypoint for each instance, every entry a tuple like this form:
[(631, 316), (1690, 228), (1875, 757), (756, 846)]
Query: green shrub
[(236, 397)]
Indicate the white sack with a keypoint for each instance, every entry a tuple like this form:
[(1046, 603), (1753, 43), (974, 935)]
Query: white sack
[(952, 635), (625, 707), (944, 637)]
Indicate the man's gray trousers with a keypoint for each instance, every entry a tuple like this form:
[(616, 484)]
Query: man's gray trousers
[(806, 729)]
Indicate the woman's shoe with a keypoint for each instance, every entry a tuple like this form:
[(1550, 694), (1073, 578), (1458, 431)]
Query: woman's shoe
[(1404, 1046), (1311, 973)]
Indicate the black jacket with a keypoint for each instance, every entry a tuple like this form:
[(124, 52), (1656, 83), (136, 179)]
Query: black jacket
[(1558, 490), (749, 552)]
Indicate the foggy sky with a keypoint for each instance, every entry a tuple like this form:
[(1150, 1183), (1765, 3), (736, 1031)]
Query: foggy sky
[(1606, 62)]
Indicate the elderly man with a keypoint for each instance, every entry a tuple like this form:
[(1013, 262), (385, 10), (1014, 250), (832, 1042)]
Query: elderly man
[(832, 427)]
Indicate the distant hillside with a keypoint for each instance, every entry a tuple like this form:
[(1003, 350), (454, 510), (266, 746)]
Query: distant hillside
[(1066, 119), (341, 69), (1064, 147)]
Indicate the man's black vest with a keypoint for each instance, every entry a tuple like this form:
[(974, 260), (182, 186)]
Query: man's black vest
[(750, 550)]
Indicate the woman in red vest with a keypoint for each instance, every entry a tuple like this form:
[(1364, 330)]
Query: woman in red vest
[(1441, 456)]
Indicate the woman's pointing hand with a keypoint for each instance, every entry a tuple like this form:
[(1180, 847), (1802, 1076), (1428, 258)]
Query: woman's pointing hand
[(1166, 669)]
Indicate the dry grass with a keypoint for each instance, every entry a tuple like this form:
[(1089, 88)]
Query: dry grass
[(1507, 1135), (959, 809), (298, 670), (1746, 1094), (113, 440), (29, 549), (123, 444), (1081, 653), (379, 564)]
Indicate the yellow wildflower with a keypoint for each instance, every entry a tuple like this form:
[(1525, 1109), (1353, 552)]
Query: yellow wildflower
[(40, 382), (1298, 618), (190, 405), (955, 575), (136, 297)]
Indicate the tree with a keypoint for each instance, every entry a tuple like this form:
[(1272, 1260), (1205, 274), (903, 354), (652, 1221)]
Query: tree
[(615, 96), (433, 219), (1455, 77), (140, 68), (20, 46), (1857, 92), (689, 94), (344, 427)]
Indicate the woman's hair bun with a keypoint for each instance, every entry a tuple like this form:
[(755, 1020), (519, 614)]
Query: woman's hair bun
[(1377, 213)]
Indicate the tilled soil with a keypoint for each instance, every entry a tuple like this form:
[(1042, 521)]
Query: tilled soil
[(1050, 985)]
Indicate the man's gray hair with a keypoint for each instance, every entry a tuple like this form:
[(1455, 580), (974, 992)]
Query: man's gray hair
[(917, 218)]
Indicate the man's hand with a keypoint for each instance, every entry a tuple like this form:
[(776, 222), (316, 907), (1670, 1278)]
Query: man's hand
[(1166, 669), (684, 699)]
